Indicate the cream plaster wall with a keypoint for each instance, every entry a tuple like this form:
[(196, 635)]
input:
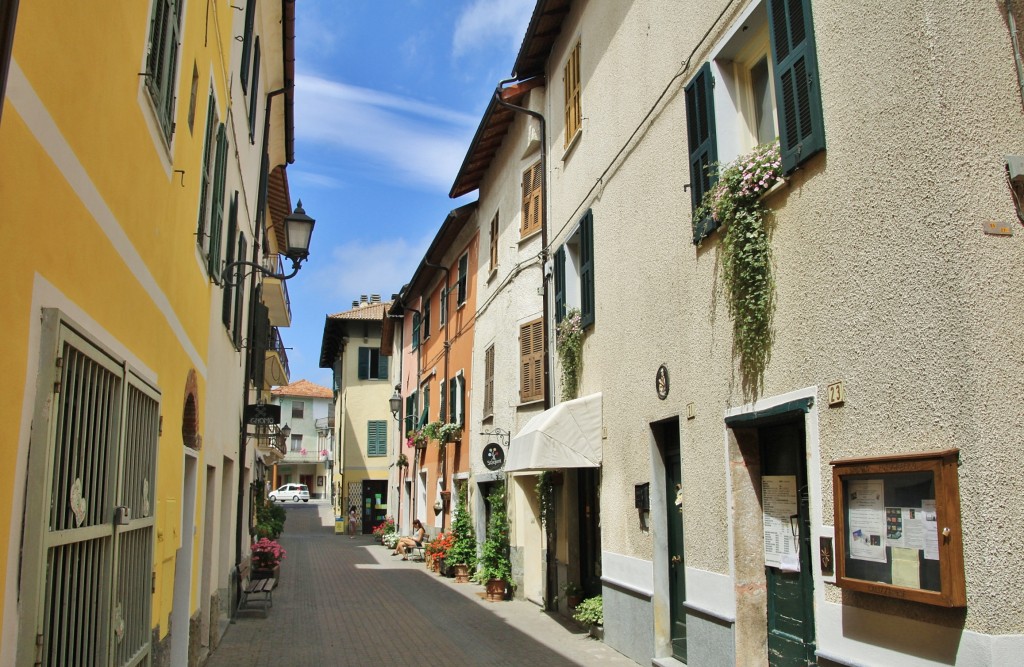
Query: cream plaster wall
[(883, 277)]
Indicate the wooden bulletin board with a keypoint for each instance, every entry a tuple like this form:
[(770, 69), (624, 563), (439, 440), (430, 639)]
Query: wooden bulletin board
[(897, 527)]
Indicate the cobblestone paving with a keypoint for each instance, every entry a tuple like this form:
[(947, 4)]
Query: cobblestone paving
[(346, 601)]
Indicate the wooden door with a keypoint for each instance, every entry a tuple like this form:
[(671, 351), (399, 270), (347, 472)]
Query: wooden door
[(668, 438)]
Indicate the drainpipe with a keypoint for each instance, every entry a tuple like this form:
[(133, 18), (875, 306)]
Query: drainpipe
[(543, 225), (239, 511), (447, 379)]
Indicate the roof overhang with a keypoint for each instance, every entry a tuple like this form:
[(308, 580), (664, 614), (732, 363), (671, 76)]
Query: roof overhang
[(442, 243), (567, 435), (545, 26)]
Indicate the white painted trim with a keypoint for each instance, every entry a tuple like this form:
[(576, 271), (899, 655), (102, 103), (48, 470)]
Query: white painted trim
[(711, 593), (38, 120), (633, 574)]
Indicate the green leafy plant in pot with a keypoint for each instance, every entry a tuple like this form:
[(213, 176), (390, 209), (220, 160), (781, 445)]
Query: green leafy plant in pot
[(462, 554), (495, 565)]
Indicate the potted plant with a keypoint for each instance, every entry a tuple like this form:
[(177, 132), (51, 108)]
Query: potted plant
[(386, 527), (573, 594), (462, 554), (266, 559), (417, 439), (437, 549), (449, 432), (269, 520), (590, 613), (403, 461), (495, 564)]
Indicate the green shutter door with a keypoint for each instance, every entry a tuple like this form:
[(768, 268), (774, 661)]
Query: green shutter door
[(363, 372), (204, 188), (382, 367), (217, 206), (587, 270), (559, 284), (226, 305), (415, 330), (410, 412), (797, 97), (703, 144)]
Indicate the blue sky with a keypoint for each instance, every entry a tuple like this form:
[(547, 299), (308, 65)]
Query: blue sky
[(387, 98)]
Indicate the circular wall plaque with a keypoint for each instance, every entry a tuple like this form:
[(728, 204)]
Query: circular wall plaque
[(661, 382), (494, 456)]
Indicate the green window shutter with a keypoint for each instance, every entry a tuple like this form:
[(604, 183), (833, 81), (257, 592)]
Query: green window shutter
[(463, 272), (227, 305), (243, 66), (454, 393), (377, 438), (363, 371), (462, 400), (254, 94), (425, 325), (425, 413), (382, 367), (587, 270), (559, 284), (442, 413), (415, 330), (797, 95), (703, 144), (239, 292), (162, 60), (217, 206), (205, 182), (410, 412)]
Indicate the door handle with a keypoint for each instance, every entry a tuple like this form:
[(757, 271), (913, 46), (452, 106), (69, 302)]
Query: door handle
[(675, 560)]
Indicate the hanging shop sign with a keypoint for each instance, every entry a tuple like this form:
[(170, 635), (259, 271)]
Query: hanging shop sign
[(262, 414), (494, 456)]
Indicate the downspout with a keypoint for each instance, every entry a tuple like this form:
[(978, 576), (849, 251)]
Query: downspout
[(447, 379), (543, 227), (1016, 47), (239, 512), (419, 366)]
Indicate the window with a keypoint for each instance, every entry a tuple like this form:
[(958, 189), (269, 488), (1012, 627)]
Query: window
[(298, 409), (227, 309), (457, 399), (211, 193), (463, 273), (162, 60), (372, 364), (574, 273), (425, 328), (763, 80), (442, 412), (494, 244), (489, 382), (442, 300), (377, 438), (254, 92), (415, 330), (296, 443), (531, 361), (243, 66), (410, 413), (239, 292), (573, 110), (532, 204), (425, 410)]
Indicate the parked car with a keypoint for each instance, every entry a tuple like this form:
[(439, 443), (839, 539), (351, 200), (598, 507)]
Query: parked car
[(295, 492)]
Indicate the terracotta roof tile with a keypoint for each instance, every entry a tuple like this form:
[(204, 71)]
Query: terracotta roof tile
[(303, 388), (370, 311)]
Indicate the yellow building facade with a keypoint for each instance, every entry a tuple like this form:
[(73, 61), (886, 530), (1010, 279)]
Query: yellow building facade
[(138, 146)]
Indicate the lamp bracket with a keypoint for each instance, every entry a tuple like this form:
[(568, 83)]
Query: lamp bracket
[(227, 271)]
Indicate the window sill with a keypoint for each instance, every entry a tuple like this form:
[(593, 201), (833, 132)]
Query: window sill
[(572, 143), (527, 404), (529, 237), (491, 275), (782, 184)]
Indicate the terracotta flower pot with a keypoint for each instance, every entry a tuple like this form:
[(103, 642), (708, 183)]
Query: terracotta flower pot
[(461, 573), (496, 589)]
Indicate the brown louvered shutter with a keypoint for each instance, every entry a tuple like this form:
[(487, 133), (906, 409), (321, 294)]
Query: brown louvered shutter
[(489, 381), (531, 200), (531, 361)]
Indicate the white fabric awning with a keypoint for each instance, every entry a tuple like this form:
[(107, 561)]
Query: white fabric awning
[(567, 435)]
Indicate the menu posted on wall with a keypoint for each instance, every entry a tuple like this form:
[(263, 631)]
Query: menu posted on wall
[(867, 524), (779, 506)]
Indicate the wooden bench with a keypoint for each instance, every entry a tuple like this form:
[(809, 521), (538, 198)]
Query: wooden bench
[(419, 553), (258, 593)]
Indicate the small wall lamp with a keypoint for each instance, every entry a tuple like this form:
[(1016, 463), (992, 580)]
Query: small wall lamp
[(298, 230), (396, 402)]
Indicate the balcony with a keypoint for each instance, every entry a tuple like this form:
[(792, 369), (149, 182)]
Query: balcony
[(275, 294), (276, 371), (270, 444), (325, 424)]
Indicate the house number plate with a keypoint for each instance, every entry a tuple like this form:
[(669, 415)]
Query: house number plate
[(836, 393)]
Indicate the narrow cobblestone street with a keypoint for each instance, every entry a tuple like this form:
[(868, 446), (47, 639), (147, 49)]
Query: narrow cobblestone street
[(346, 601)]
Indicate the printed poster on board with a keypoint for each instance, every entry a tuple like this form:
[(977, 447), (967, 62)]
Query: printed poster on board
[(779, 503)]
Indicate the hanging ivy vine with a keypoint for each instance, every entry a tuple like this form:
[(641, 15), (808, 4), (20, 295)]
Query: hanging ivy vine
[(546, 497), (735, 203), (569, 342)]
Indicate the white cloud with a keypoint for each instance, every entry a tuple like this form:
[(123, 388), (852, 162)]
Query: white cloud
[(487, 21), (416, 142), (365, 267)]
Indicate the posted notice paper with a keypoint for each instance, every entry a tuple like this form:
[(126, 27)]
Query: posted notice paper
[(779, 503), (866, 503)]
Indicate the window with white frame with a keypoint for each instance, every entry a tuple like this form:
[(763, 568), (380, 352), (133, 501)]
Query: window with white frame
[(298, 409), (211, 191), (462, 285), (296, 445), (162, 60), (574, 272)]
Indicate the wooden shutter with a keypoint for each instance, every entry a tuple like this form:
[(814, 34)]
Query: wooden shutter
[(254, 93), (489, 381), (162, 61), (559, 284), (410, 412), (415, 330), (261, 341), (243, 66), (453, 400), (382, 367), (532, 203), (217, 205), (425, 415), (531, 361), (236, 332), (363, 369), (573, 110), (587, 270), (494, 242), (206, 178), (377, 438), (442, 413), (797, 95), (703, 145), (227, 307), (462, 400), (425, 326), (463, 273)]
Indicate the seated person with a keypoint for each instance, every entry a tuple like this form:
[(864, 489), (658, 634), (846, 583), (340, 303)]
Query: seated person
[(406, 543)]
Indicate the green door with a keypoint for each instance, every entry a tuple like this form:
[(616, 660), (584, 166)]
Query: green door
[(669, 438), (790, 594)]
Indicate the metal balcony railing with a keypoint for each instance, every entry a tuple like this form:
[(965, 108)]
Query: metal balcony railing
[(277, 345), (275, 264)]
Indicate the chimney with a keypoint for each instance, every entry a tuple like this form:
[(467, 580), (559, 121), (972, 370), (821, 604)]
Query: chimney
[(375, 298), (355, 304), (362, 300)]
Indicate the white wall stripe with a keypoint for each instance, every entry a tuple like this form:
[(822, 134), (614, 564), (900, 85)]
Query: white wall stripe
[(33, 112)]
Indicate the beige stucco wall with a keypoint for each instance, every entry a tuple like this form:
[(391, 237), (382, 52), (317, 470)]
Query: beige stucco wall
[(884, 278)]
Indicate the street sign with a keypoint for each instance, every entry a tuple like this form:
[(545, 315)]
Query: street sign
[(262, 414), (494, 456)]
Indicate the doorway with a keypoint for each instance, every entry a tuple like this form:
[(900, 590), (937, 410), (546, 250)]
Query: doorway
[(375, 503), (588, 491), (182, 602), (666, 434)]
